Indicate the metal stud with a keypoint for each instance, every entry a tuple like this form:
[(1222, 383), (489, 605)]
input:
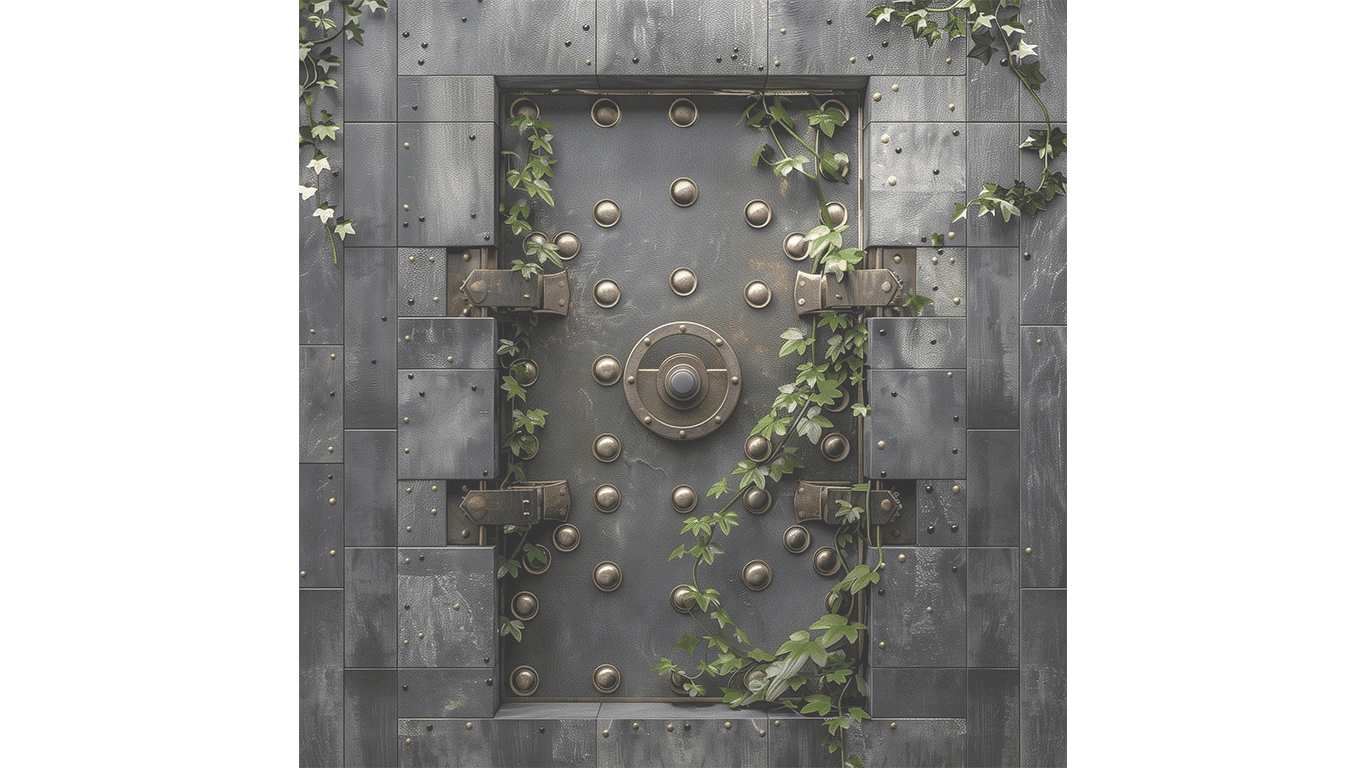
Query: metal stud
[(606, 370), (835, 447), (836, 103), (566, 538), (526, 371), (606, 213), (758, 448), (607, 498), (796, 539), (758, 294), (534, 569), (877, 97), (524, 606), (843, 171), (607, 576), (758, 214), (837, 213), (524, 106), (825, 561), (758, 501), (794, 246), (676, 682), (756, 575), (682, 113), (567, 243), (1029, 550), (539, 238), (605, 113), (681, 600), (606, 293), (896, 87), (524, 680), (683, 499), (891, 181), (606, 678), (683, 281), (683, 192)]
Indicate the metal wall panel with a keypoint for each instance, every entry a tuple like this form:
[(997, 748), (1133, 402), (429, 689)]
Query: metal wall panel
[(993, 343), (919, 609), (994, 718), (917, 99), (446, 693), (321, 502), (917, 342), (559, 735), (994, 477), (320, 277), (913, 180), (371, 730), (993, 158), (370, 345), (993, 93), (1043, 242), (370, 190), (942, 275), (913, 742), (433, 632), (941, 513), (994, 607), (320, 678), (447, 99), (371, 617), (918, 416), (471, 37), (421, 277), (422, 513), (450, 430), (1049, 32), (371, 68), (446, 188), (813, 45), (1043, 677), (448, 342), (901, 692), (699, 736), (371, 474), (320, 404), (663, 42), (1043, 451)]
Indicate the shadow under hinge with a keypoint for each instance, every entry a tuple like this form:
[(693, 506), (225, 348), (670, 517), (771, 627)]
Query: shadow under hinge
[(860, 288), (508, 289), (820, 501), (522, 504)]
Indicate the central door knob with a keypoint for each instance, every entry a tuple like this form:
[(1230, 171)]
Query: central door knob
[(683, 382)]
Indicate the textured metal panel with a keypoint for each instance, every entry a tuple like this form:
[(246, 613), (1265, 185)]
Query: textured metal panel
[(993, 343), (942, 275), (447, 99), (1043, 677), (431, 582), (421, 278), (914, 415), (320, 404), (941, 514), (913, 180), (446, 180), (370, 477), (1043, 242), (994, 718), (371, 718), (472, 37), (446, 693), (993, 93), (371, 68), (993, 158), (930, 577), (370, 183), (994, 607), (994, 477), (371, 616), (563, 736), (1049, 32), (699, 41), (320, 277), (448, 342), (422, 513), (917, 342), (321, 502), (915, 100), (450, 432), (813, 43), (900, 692), (927, 743), (320, 678), (921, 215), (370, 349), (1043, 450), (699, 736)]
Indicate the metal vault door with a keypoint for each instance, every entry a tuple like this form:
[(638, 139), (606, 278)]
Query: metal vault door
[(679, 292)]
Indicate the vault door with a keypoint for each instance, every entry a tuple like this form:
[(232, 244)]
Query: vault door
[(680, 252)]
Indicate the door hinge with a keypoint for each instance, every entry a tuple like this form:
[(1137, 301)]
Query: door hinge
[(522, 504), (860, 288), (507, 288), (820, 501)]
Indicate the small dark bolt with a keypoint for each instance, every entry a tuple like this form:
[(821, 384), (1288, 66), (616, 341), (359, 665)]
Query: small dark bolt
[(410, 302), (424, 45), (463, 19), (568, 43), (953, 527), (955, 418), (472, 137), (405, 687), (486, 237), (585, 27), (329, 477), (955, 569), (935, 288), (405, 225), (870, 57), (929, 489), (733, 57), (429, 727), (718, 59), (882, 331), (933, 342), (414, 107), (939, 251), (405, 34), (893, 393), (898, 151), (420, 62), (421, 218), (421, 394), (1026, 256), (736, 49), (474, 215), (761, 69), (955, 451), (474, 387), (955, 133), (486, 659), (421, 557), (384, 319), (635, 59), (923, 239), (936, 171), (884, 43), (407, 607), (884, 473), (881, 591), (930, 529), (1005, 62), (490, 680), (331, 394), (374, 362), (542, 728), (486, 473), (829, 21), (410, 375), (687, 726)]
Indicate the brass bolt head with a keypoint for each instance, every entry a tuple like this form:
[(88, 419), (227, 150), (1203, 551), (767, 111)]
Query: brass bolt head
[(901, 558)]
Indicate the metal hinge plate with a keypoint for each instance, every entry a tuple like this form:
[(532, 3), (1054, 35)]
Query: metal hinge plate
[(522, 504), (860, 288), (820, 501), (508, 289)]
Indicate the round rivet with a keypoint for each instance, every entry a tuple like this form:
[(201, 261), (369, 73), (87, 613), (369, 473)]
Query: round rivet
[(456, 606), (407, 450), (606, 678), (607, 576), (669, 727), (605, 113), (421, 635), (683, 192), (407, 741), (303, 574), (794, 246), (683, 499), (605, 734), (956, 489), (825, 561), (682, 113), (892, 726), (676, 683), (524, 370), (885, 138), (607, 498), (758, 448), (952, 107), (837, 213), (606, 213), (758, 501), (567, 243), (877, 97), (539, 238), (566, 538), (758, 214), (635, 726), (405, 419), (796, 539), (405, 206), (606, 293), (896, 258), (762, 733), (524, 106), (333, 356), (835, 447), (524, 681), (891, 181), (881, 644), (758, 294), (929, 609), (957, 300), (683, 281), (681, 600), (606, 370), (1029, 550), (852, 59), (756, 575), (405, 641), (951, 235), (881, 444), (536, 569), (726, 725)]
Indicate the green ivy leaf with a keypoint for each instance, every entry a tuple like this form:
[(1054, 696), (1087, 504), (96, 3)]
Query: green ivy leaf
[(687, 643), (982, 44)]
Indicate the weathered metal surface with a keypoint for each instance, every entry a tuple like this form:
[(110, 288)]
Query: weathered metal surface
[(917, 99), (521, 504), (448, 342), (913, 180), (942, 275), (370, 477), (320, 678), (446, 693), (993, 158), (819, 502), (917, 342), (941, 513), (422, 513), (509, 288), (913, 742), (447, 99), (919, 609), (371, 724), (861, 288), (469, 37), (370, 326), (1043, 246), (421, 282), (670, 735), (994, 477), (913, 417), (370, 183), (1049, 32), (446, 183), (993, 93), (450, 430), (321, 502), (813, 44), (912, 692), (520, 735), (431, 583), (1043, 677), (993, 343), (320, 404), (371, 615), (320, 278), (994, 607), (370, 68), (664, 43), (1043, 440), (994, 717)]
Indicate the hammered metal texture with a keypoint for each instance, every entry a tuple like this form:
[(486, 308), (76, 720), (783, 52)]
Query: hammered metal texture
[(320, 678), (994, 607), (993, 93), (370, 477), (447, 99), (320, 403), (932, 692), (931, 577), (450, 431), (928, 163), (370, 349), (431, 582), (446, 180), (472, 37), (371, 616), (320, 278), (370, 69), (1043, 677), (994, 717), (321, 502), (943, 279), (941, 514), (371, 724), (993, 158), (446, 693), (914, 743), (1049, 32), (993, 343), (916, 424), (664, 43), (917, 342), (370, 191), (540, 735), (418, 526), (994, 477), (815, 54), (1043, 243), (924, 99), (698, 736), (447, 342), (1043, 465), (421, 277)]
